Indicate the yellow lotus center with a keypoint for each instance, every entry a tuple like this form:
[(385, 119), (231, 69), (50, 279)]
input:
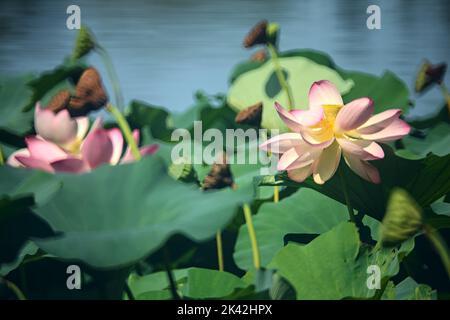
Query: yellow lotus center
[(73, 147), (324, 130)]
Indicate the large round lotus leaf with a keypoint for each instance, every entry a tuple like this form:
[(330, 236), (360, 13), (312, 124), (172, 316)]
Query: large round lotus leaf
[(261, 85), (437, 141), (19, 182), (15, 95), (427, 180), (304, 212), (29, 249), (334, 265), (409, 289), (194, 283), (116, 215)]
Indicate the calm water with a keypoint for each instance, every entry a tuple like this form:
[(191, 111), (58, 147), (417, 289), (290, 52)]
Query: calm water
[(165, 50)]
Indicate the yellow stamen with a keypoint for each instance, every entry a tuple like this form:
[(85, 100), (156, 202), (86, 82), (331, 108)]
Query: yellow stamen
[(331, 112), (324, 130), (73, 147)]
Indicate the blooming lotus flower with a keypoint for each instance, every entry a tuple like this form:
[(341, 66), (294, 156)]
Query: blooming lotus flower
[(329, 129), (60, 145)]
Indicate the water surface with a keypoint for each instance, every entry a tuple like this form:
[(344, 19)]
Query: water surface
[(165, 50)]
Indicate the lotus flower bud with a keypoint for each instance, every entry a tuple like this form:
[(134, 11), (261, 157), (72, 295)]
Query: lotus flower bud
[(251, 116), (183, 171), (272, 32), (428, 75), (89, 94), (57, 127), (85, 42), (403, 218)]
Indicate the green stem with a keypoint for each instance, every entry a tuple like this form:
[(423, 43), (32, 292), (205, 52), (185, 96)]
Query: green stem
[(219, 250), (123, 124), (440, 246), (276, 194), (280, 75), (276, 189), (346, 196), (112, 76), (446, 95), (252, 235), (444, 90), (2, 159), (19, 294), (23, 277), (171, 278), (377, 246), (128, 291)]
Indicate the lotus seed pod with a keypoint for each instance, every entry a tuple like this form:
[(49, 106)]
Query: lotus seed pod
[(257, 35), (84, 43), (403, 218), (89, 94), (429, 75), (60, 101), (220, 175), (251, 116), (259, 56)]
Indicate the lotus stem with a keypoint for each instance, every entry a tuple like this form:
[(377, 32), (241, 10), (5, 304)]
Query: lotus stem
[(171, 278), (347, 198), (446, 95), (252, 235), (128, 291), (126, 131), (276, 189), (2, 159), (106, 58), (280, 75), (440, 246), (276, 194), (219, 250), (15, 289)]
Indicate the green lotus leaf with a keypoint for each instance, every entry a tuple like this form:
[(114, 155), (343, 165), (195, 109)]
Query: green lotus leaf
[(15, 94), (431, 119), (304, 212), (250, 84), (252, 87), (19, 95), (387, 91), (436, 141), (117, 215), (427, 180), (439, 217), (334, 265), (194, 283), (409, 289), (63, 77), (29, 249), (20, 190), (19, 182), (441, 208), (156, 119)]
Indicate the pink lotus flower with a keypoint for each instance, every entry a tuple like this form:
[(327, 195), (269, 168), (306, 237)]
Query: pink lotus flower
[(61, 146), (329, 129), (59, 128)]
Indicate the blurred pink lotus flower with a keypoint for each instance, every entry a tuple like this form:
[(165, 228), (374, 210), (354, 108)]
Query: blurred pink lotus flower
[(61, 144), (328, 129)]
